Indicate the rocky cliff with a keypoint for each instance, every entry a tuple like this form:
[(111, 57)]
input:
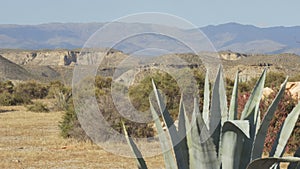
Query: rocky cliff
[(41, 57)]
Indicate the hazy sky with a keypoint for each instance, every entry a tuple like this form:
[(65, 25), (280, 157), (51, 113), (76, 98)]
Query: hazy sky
[(263, 13)]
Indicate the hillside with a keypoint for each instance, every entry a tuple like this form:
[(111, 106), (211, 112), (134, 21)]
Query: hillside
[(48, 65), (10, 70), (230, 36)]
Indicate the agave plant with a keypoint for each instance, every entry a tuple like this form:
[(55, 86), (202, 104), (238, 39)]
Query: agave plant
[(215, 138)]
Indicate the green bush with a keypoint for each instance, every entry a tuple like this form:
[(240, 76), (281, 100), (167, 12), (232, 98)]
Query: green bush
[(32, 89), (38, 107), (6, 86), (21, 93), (12, 99), (61, 93), (233, 143), (140, 91), (285, 106), (273, 80), (56, 87), (295, 78), (69, 126)]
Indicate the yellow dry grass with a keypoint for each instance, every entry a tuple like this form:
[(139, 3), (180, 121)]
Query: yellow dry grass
[(32, 140)]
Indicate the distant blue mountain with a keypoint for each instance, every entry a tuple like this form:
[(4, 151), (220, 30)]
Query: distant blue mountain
[(230, 36), (251, 39)]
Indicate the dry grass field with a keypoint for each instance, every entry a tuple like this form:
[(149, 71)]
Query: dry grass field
[(32, 140)]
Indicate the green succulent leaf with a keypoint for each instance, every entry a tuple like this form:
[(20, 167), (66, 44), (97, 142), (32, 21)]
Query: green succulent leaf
[(234, 100), (255, 97), (259, 140), (251, 113), (182, 161), (285, 132), (267, 163), (218, 111), (201, 147), (206, 101), (170, 162), (182, 130), (234, 132), (139, 158)]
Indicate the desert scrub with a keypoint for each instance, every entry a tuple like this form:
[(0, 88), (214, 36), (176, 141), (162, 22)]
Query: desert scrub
[(6, 86), (139, 92), (32, 89), (8, 97), (38, 107), (62, 94), (295, 78), (70, 126), (12, 99), (222, 140)]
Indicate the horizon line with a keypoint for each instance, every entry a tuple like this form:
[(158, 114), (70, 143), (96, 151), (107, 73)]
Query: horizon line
[(105, 22)]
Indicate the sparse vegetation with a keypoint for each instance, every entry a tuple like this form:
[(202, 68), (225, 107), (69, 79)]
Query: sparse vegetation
[(9, 97), (139, 97), (222, 140), (38, 107), (32, 89)]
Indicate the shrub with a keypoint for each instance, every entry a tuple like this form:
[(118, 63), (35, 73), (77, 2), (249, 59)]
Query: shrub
[(12, 99), (222, 140), (32, 89), (285, 106), (56, 87), (295, 78), (38, 107), (140, 91), (70, 126), (6, 86), (61, 93), (274, 79)]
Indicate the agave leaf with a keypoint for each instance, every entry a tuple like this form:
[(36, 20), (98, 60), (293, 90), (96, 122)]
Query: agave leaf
[(202, 149), (182, 130), (218, 113), (257, 120), (285, 132), (295, 165), (233, 135), (206, 101), (182, 161), (266, 163), (255, 97), (234, 100), (250, 113), (181, 120), (170, 162), (139, 158), (259, 140)]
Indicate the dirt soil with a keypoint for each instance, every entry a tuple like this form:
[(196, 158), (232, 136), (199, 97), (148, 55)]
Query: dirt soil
[(32, 140)]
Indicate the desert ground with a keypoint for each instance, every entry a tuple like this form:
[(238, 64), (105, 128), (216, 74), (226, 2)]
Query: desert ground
[(32, 140)]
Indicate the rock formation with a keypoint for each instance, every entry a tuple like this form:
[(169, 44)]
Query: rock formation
[(294, 89)]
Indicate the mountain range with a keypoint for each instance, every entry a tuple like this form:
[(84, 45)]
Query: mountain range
[(230, 36)]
